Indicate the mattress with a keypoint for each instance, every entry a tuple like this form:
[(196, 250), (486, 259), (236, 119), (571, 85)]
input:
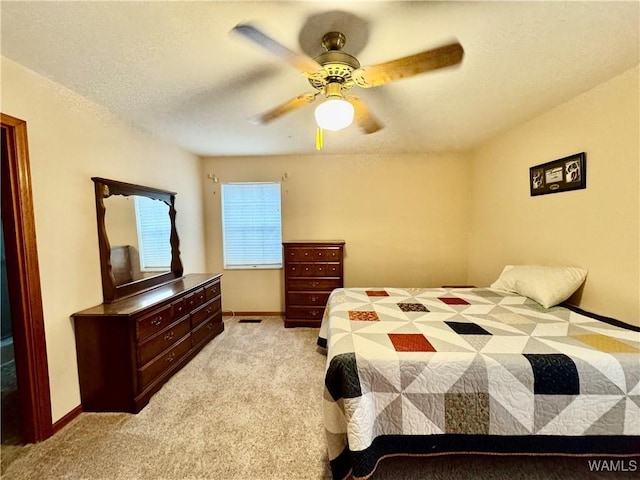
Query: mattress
[(419, 371)]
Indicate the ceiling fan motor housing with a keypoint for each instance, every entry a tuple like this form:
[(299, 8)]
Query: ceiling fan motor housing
[(337, 65)]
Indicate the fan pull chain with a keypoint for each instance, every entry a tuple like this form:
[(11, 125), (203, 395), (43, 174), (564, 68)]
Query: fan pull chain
[(319, 139)]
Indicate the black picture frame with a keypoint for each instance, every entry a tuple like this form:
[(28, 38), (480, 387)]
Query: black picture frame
[(562, 175)]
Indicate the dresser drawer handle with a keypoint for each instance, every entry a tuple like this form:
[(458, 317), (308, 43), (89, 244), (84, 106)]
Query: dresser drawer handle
[(169, 335), (171, 357), (314, 298), (315, 284), (314, 313), (209, 310), (157, 321), (210, 326)]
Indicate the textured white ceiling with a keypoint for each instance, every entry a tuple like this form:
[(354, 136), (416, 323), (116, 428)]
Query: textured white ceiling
[(173, 68)]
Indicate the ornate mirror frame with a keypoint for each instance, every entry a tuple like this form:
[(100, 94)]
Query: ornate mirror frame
[(111, 292)]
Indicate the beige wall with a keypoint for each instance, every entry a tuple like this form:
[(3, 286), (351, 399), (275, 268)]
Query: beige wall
[(404, 218), (71, 140), (595, 228)]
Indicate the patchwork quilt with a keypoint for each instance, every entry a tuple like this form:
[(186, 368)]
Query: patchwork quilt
[(409, 365)]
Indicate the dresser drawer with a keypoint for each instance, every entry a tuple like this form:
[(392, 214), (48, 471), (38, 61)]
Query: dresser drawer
[(322, 284), (318, 269), (204, 312), (302, 254), (194, 299), (206, 330), (200, 296), (159, 342), (179, 308), (156, 367), (311, 254), (314, 313), (153, 322), (212, 290), (307, 298)]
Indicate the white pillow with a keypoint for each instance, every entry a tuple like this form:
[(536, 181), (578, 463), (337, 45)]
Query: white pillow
[(548, 286)]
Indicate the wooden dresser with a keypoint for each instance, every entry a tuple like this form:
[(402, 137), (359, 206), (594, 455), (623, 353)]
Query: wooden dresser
[(129, 348), (311, 271)]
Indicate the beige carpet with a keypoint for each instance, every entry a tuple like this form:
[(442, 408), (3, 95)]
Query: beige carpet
[(248, 407)]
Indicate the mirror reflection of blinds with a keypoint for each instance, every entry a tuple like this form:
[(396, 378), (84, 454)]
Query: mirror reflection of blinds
[(251, 225), (154, 232)]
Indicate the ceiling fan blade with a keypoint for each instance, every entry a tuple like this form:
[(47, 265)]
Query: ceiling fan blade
[(294, 103), (300, 61), (363, 117), (382, 73)]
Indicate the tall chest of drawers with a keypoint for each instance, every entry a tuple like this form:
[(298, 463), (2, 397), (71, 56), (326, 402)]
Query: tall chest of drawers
[(312, 269), (128, 349)]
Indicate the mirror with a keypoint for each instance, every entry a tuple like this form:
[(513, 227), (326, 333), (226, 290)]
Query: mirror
[(139, 230), (137, 238)]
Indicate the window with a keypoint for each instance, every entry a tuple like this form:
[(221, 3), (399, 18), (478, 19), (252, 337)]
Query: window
[(154, 234), (251, 225)]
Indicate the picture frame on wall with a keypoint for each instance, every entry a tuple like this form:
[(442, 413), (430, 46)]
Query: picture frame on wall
[(562, 175)]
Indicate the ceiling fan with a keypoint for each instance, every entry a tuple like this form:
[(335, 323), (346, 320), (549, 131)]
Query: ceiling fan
[(334, 72)]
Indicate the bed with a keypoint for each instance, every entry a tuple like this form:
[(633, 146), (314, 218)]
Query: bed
[(415, 371)]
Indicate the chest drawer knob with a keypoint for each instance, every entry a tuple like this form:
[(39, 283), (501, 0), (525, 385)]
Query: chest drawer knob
[(157, 321), (313, 298), (169, 336), (171, 357)]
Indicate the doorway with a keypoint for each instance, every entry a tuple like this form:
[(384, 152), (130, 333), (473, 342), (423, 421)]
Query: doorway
[(30, 406), (11, 407)]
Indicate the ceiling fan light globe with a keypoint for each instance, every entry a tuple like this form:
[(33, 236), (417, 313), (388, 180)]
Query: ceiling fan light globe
[(334, 114)]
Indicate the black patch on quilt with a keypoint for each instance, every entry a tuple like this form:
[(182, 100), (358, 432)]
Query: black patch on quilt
[(412, 307), (463, 328), (609, 320), (322, 342), (553, 374), (341, 379)]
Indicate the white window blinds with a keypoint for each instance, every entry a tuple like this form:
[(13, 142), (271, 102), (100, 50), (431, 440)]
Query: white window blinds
[(154, 232), (251, 225)]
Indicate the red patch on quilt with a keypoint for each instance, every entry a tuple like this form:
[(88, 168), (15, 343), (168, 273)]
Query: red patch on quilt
[(356, 316), (377, 293), (453, 300), (410, 342)]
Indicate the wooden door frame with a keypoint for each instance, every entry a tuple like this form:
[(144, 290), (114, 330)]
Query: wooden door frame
[(26, 301)]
